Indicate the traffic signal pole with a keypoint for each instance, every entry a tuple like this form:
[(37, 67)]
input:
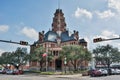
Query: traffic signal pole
[(101, 39), (21, 42), (110, 39), (9, 41)]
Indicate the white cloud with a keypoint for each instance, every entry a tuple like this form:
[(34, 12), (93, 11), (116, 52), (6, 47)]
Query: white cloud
[(105, 15), (106, 34), (109, 34), (82, 12), (4, 28), (114, 4), (30, 32)]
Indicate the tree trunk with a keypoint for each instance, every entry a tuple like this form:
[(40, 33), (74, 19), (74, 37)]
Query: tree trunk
[(41, 65), (75, 65)]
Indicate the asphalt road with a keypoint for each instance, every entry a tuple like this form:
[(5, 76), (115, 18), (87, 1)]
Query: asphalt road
[(44, 77)]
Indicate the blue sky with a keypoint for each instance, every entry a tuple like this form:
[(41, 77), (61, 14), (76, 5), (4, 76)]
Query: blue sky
[(23, 19)]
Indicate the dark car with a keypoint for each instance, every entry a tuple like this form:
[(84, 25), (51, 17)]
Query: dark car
[(17, 72), (94, 73), (4, 71)]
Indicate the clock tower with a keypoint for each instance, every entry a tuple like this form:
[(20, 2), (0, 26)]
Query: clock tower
[(59, 24)]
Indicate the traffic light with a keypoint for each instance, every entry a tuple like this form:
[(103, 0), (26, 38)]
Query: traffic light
[(23, 43), (97, 40)]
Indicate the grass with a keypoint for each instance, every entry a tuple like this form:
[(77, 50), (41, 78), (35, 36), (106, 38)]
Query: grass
[(57, 73), (39, 72), (32, 71), (47, 73)]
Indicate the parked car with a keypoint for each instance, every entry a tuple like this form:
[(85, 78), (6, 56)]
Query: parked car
[(1, 71), (4, 71), (9, 71), (94, 73), (117, 71), (104, 72), (112, 71), (16, 72)]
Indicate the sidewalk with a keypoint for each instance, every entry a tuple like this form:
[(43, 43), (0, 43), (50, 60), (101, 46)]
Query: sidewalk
[(56, 75), (74, 75)]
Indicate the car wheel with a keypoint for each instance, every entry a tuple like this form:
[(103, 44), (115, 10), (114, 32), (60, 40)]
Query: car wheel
[(92, 75)]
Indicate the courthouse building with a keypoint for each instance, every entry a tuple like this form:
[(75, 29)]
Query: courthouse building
[(55, 38)]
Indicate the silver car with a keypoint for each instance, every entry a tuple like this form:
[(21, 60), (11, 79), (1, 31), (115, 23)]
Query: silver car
[(104, 72), (9, 71)]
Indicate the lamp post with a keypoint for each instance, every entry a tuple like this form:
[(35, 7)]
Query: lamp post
[(65, 62)]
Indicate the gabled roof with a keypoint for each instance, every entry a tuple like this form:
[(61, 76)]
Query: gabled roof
[(66, 36), (82, 41), (50, 36)]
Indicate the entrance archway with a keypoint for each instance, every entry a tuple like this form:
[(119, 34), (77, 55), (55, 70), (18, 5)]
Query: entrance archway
[(58, 64)]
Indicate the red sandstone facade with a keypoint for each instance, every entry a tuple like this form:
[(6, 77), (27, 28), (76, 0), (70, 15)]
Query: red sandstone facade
[(56, 38)]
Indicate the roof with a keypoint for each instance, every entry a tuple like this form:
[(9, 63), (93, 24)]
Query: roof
[(67, 36), (52, 36), (82, 41)]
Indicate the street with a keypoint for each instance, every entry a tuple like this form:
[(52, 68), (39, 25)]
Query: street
[(55, 77)]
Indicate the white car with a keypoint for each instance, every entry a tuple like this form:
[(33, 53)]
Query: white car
[(1, 70), (117, 71), (103, 72), (113, 71)]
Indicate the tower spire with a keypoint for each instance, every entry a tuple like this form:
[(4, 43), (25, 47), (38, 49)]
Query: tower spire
[(58, 4), (58, 24)]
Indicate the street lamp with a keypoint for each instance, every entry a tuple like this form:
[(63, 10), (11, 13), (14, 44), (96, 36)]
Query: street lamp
[(65, 62)]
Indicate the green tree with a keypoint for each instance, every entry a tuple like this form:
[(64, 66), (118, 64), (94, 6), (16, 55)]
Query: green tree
[(5, 58), (85, 55), (37, 55), (20, 57), (106, 55), (75, 54)]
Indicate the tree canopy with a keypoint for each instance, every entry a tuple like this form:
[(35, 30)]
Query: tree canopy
[(37, 56), (75, 54), (16, 58), (106, 54)]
